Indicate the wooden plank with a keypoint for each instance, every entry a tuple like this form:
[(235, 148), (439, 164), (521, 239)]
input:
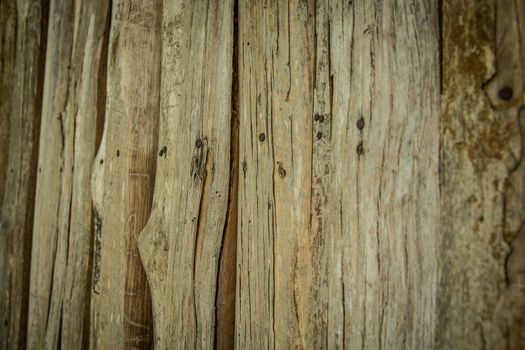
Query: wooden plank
[(17, 206), (378, 212), (62, 233), (343, 150), (123, 177), (276, 66), (481, 298), (181, 244), (7, 56)]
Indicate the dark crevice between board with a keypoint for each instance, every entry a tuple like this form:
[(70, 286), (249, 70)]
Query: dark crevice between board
[(226, 274)]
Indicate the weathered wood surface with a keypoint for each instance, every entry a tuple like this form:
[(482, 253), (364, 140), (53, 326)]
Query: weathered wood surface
[(276, 61), (22, 121), (181, 244), (285, 174), (7, 56), (62, 235), (482, 298), (336, 219), (123, 178)]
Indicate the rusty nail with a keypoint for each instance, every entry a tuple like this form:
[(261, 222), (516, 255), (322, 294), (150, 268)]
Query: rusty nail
[(505, 93), (360, 123), (262, 137)]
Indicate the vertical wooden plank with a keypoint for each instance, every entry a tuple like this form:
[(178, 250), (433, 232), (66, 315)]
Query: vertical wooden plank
[(48, 252), (481, 298), (17, 206), (276, 66), (338, 207), (7, 57), (7, 68), (62, 232), (376, 196), (123, 177), (181, 244), (86, 84)]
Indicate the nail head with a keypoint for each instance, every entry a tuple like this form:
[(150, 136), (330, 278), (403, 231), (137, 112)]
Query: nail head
[(360, 123), (505, 93)]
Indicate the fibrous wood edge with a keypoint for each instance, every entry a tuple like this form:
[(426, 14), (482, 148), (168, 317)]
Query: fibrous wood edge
[(181, 244), (123, 177), (17, 206), (62, 232), (481, 296), (351, 146)]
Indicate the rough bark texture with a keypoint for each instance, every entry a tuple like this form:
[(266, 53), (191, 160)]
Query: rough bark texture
[(62, 233), (262, 174), (17, 206), (482, 298), (123, 177)]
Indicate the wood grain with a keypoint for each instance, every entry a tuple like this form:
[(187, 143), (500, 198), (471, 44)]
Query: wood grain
[(337, 208), (181, 244), (62, 232), (7, 68), (262, 174), (378, 210), (481, 297), (123, 178), (276, 61), (16, 219), (7, 57)]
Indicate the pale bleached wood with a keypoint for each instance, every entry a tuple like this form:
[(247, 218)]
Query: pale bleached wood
[(62, 233), (481, 297), (363, 272), (181, 244), (17, 206), (380, 214), (123, 177), (276, 65)]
